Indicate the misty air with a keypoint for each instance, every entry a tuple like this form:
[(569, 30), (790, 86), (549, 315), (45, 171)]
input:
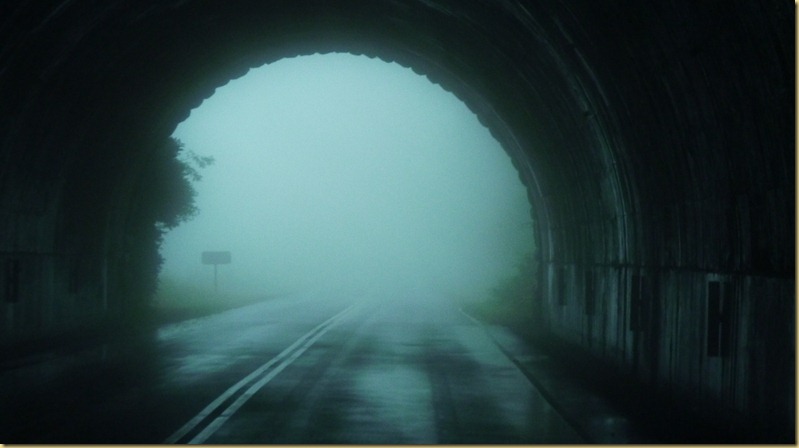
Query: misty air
[(349, 174)]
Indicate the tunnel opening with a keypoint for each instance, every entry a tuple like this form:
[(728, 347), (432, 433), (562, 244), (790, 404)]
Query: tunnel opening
[(658, 171), (343, 173)]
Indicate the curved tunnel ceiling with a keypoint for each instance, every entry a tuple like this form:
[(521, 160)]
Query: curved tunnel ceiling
[(617, 117)]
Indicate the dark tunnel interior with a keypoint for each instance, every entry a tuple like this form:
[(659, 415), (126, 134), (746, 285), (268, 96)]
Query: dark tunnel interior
[(655, 140)]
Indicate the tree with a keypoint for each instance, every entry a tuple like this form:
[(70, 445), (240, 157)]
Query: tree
[(165, 198), (171, 193), (511, 299)]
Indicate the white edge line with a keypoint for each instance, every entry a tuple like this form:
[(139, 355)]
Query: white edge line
[(472, 318)]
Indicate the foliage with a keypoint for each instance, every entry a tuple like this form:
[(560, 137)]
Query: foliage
[(172, 171), (176, 300), (165, 198), (512, 297)]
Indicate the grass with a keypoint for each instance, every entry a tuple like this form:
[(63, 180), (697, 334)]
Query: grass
[(175, 300), (497, 311), (510, 300)]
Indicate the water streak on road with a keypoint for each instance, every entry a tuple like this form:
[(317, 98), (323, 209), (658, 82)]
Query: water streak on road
[(404, 368)]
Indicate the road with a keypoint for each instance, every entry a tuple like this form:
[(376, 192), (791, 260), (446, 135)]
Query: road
[(312, 368)]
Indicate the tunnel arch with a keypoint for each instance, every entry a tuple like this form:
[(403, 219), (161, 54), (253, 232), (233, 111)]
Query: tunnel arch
[(655, 141), (392, 174)]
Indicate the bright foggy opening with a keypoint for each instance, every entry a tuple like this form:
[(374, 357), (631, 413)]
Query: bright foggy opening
[(349, 175)]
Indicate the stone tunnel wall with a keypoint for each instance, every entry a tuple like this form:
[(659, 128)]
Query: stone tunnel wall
[(655, 139)]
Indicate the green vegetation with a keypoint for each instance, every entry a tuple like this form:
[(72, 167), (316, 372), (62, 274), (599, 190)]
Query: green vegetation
[(171, 194), (176, 300), (165, 198), (511, 300)]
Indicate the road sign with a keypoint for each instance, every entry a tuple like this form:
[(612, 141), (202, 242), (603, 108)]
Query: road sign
[(216, 257)]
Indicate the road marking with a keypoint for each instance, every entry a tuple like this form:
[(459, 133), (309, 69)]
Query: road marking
[(257, 379), (477, 322)]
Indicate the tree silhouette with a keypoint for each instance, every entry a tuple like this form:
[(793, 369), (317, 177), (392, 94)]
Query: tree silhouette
[(165, 197)]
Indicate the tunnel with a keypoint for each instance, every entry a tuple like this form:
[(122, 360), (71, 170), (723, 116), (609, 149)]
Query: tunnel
[(655, 140)]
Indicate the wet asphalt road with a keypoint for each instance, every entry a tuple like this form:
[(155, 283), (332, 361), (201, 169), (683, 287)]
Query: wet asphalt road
[(315, 368)]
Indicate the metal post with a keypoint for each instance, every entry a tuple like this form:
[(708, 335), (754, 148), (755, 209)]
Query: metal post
[(215, 258)]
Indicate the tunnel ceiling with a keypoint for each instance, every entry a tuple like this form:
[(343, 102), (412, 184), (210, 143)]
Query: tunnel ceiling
[(651, 134)]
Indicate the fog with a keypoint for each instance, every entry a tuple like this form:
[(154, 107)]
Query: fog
[(340, 172)]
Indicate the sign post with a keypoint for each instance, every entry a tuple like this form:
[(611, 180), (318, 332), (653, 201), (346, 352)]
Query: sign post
[(216, 258)]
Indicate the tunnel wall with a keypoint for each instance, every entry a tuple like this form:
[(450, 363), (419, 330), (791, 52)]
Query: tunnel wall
[(655, 140), (702, 291)]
